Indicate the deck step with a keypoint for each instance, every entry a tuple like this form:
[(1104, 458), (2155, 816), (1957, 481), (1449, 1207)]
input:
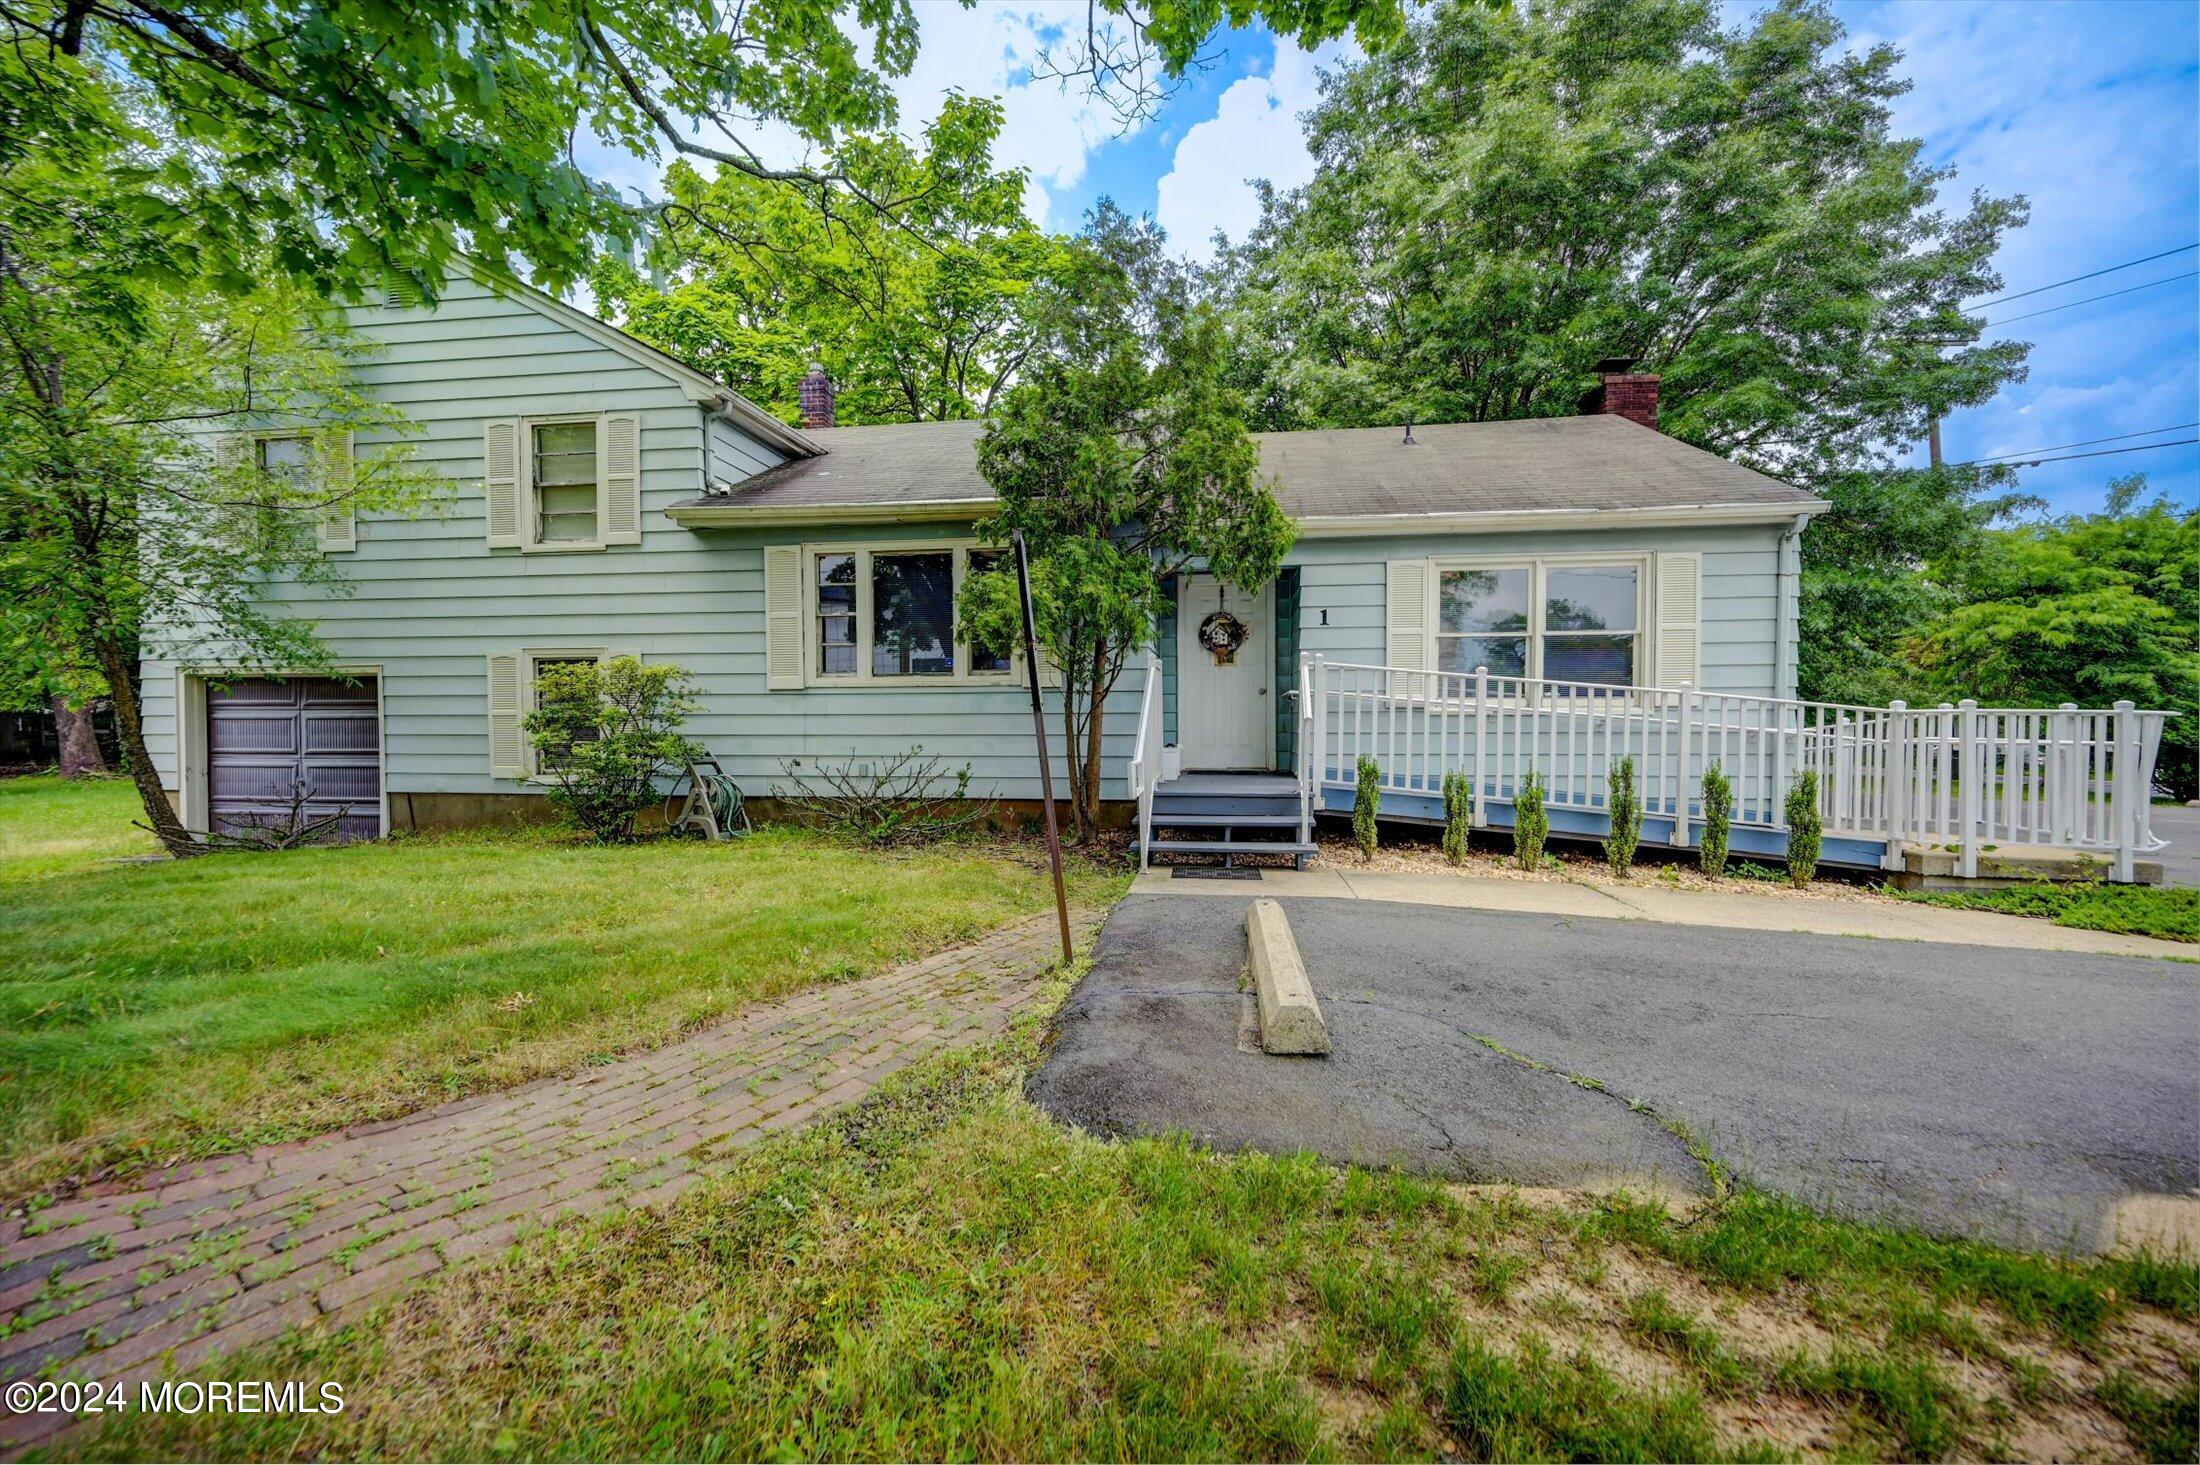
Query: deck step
[(1230, 847), (1174, 804), (1225, 821)]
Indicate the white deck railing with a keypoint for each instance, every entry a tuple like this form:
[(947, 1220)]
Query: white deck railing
[(1145, 766), (1961, 776)]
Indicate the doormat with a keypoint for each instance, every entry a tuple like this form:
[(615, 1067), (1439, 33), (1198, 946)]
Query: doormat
[(1211, 872)]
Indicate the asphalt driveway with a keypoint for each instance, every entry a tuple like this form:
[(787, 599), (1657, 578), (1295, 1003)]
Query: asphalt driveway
[(2011, 1094)]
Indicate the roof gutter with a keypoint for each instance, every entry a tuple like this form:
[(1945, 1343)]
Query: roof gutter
[(1343, 526), (734, 514)]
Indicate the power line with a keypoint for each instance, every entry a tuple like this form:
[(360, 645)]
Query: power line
[(2068, 457), (2111, 295), (2088, 442), (2074, 279)]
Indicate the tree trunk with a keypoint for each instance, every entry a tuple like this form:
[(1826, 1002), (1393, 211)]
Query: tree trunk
[(1095, 708), (1072, 765), (130, 734), (80, 756)]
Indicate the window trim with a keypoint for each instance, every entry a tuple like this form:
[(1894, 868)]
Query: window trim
[(863, 676), (1539, 568), (529, 516), (528, 657)]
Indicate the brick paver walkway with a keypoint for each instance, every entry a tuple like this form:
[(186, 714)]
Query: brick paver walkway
[(208, 1257)]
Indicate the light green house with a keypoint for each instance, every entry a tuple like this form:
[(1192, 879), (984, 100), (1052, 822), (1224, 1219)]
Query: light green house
[(606, 499)]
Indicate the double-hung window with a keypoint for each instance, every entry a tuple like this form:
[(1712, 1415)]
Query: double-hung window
[(562, 497), (285, 460), (887, 614), (549, 762), (1557, 620)]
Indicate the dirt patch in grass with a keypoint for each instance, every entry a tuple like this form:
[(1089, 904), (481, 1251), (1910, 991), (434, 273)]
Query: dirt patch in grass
[(945, 1272)]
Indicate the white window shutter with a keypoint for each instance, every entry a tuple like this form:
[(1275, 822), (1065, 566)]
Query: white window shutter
[(1405, 621), (507, 750), (783, 617), (1679, 633), (620, 463), (500, 460), (336, 527)]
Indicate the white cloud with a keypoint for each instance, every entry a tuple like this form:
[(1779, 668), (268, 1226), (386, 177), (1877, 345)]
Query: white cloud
[(1255, 133), (990, 51)]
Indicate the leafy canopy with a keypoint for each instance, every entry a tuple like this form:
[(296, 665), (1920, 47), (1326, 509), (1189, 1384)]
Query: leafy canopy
[(915, 315), (1517, 193), (353, 141)]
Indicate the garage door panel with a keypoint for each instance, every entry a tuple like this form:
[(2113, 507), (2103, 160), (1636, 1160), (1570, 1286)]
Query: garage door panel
[(253, 732), (339, 732), (266, 735)]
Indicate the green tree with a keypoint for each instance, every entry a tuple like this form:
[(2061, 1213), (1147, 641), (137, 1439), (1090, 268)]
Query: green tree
[(2089, 608), (1516, 193), (1875, 573), (341, 141), (1124, 458), (914, 314), (123, 518)]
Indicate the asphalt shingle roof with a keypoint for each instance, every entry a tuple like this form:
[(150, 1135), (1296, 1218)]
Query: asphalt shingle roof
[(1549, 463)]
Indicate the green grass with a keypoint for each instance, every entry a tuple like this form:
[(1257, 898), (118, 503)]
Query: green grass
[(149, 1010), (944, 1272), (2134, 910)]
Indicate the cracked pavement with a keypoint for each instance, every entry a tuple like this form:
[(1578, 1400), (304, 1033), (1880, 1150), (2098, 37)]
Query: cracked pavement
[(2011, 1094)]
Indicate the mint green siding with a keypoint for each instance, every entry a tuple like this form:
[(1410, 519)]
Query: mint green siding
[(429, 602), (1740, 645)]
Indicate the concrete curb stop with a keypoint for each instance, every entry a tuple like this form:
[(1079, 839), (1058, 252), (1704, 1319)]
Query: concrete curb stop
[(1290, 1018)]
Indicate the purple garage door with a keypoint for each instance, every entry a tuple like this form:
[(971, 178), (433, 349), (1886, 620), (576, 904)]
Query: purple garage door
[(266, 734)]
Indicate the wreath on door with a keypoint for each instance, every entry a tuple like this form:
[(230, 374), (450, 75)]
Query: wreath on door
[(1222, 634)]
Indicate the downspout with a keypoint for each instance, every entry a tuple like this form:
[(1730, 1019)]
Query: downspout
[(1786, 630)]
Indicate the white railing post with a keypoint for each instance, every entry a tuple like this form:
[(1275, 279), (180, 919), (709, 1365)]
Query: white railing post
[(1318, 737), (1895, 775), (2126, 796), (1305, 750), (2065, 774), (1967, 785), (1481, 742), (1680, 792)]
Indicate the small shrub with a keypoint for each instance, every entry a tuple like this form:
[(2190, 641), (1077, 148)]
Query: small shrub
[(1531, 826), (1803, 828), (906, 799), (1625, 807), (1718, 819), (603, 732), (1763, 874), (1367, 802), (1458, 816)]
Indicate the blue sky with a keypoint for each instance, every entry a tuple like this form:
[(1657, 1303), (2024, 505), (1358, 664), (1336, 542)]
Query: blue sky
[(2088, 108)]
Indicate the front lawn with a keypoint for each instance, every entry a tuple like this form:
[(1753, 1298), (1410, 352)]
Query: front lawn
[(2134, 910), (150, 1010), (944, 1272)]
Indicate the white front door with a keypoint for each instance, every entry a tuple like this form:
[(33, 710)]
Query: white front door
[(1225, 716)]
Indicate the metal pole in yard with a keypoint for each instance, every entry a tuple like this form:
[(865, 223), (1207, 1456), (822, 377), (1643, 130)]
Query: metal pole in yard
[(1039, 732)]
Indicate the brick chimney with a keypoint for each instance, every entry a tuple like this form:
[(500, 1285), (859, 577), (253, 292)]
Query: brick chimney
[(1623, 392), (817, 396)]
